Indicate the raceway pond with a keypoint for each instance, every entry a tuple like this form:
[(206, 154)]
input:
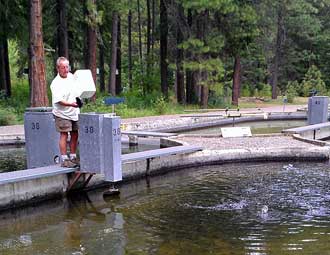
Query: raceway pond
[(255, 208)]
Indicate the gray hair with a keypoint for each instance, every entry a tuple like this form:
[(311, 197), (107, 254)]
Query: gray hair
[(60, 60)]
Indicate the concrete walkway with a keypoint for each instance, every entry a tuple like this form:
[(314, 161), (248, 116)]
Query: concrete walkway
[(10, 132), (14, 130)]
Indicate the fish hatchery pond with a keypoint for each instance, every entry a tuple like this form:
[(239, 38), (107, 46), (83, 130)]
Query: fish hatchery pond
[(257, 127), (248, 208)]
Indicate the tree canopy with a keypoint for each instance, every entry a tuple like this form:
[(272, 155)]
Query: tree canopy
[(192, 51)]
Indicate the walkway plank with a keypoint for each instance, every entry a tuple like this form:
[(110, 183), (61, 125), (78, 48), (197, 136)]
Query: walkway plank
[(307, 128), (42, 172), (160, 152), (34, 173)]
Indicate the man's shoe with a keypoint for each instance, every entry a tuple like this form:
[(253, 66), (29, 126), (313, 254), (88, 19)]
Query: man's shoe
[(68, 163), (75, 161)]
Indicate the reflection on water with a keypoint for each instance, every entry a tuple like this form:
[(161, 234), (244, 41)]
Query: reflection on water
[(12, 158), (274, 208), (125, 148), (258, 127), (74, 226)]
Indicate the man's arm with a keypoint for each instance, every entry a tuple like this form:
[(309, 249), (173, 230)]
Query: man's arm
[(65, 103)]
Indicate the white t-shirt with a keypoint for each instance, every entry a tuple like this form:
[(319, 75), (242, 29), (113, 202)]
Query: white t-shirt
[(64, 89)]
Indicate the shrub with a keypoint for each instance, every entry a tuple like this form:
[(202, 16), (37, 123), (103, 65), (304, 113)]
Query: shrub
[(265, 90), (313, 81), (160, 105), (291, 91), (6, 118), (245, 91)]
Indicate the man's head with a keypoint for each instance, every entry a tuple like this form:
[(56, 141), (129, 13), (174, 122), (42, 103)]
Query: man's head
[(62, 66)]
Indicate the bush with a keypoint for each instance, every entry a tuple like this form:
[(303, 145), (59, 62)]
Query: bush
[(265, 90), (6, 118), (160, 105), (245, 91), (313, 81), (291, 91)]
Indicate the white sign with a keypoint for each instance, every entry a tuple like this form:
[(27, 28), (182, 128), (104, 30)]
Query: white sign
[(236, 132), (86, 83)]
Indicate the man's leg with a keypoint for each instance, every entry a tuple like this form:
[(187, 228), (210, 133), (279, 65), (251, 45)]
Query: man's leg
[(63, 142), (65, 161), (73, 142)]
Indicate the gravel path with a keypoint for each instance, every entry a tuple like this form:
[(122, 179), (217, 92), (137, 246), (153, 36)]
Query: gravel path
[(12, 130), (218, 143)]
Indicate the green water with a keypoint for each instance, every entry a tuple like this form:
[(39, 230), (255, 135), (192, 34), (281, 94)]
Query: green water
[(258, 127), (209, 210), (14, 158)]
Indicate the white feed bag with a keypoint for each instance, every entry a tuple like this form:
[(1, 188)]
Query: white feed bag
[(85, 83)]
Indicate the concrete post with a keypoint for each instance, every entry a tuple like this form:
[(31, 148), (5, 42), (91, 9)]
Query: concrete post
[(41, 137), (100, 145), (317, 109)]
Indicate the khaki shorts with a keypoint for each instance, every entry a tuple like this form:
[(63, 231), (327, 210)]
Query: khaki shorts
[(64, 125)]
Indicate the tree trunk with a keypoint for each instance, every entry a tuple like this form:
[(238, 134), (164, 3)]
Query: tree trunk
[(5, 83), (148, 31), (62, 30), (179, 60), (92, 42), (163, 48), (113, 64), (140, 34), (85, 39), (71, 46), (37, 75), (236, 81), (201, 32), (118, 76), (204, 91), (153, 15), (190, 81), (130, 82), (7, 69), (278, 49), (101, 64), (148, 58)]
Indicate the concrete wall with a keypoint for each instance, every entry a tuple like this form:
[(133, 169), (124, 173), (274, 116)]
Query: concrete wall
[(26, 192)]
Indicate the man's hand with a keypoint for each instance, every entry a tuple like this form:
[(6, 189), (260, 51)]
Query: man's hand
[(79, 102), (74, 105)]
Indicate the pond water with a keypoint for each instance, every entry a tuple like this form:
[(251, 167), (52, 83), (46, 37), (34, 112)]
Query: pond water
[(259, 208), (258, 127)]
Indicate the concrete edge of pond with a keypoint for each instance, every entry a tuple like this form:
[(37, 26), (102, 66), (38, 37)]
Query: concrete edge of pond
[(31, 191)]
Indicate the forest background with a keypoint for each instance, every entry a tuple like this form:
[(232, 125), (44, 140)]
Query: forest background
[(164, 55)]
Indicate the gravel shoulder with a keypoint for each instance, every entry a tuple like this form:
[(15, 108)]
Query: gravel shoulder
[(254, 142)]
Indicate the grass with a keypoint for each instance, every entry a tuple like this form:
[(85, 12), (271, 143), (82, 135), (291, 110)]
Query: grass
[(255, 102), (12, 109)]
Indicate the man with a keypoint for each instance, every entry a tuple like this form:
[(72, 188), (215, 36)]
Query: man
[(65, 110)]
